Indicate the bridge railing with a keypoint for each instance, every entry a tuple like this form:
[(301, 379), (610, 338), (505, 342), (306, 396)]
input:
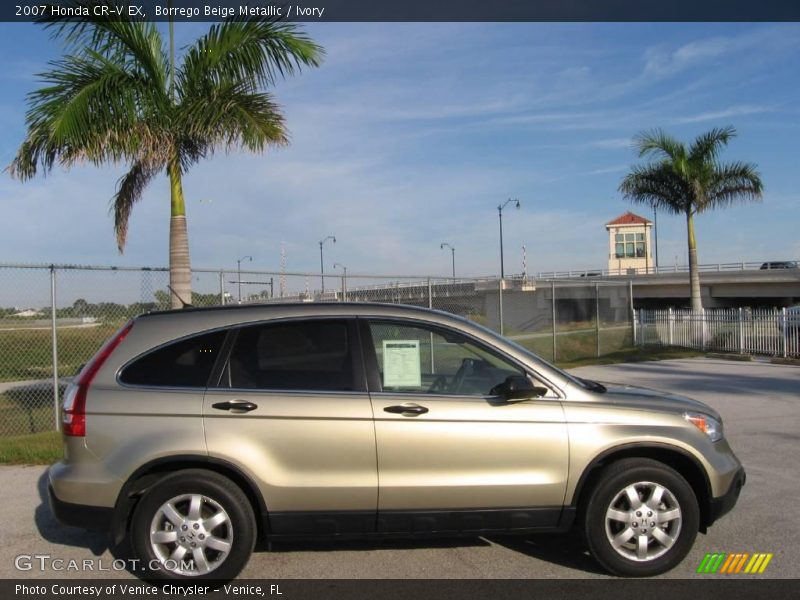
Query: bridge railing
[(779, 266)]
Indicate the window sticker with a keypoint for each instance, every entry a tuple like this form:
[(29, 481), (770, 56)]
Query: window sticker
[(401, 364)]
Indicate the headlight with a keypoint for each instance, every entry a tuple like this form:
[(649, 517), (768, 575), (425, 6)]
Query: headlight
[(708, 425)]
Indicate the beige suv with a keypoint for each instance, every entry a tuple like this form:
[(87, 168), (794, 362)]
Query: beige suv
[(195, 432)]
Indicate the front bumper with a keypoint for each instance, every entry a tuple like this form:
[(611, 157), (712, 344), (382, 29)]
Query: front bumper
[(721, 506), (93, 518)]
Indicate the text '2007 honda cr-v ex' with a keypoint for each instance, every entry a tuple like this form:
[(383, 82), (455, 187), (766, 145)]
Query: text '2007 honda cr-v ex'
[(195, 432)]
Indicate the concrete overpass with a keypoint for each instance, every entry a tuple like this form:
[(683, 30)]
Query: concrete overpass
[(528, 302), (723, 288), (721, 285)]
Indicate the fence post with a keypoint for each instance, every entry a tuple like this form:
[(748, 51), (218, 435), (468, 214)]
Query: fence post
[(430, 305), (703, 328), (54, 336), (222, 288), (784, 332), (631, 311), (741, 330), (597, 314), (671, 320), (500, 304), (553, 288)]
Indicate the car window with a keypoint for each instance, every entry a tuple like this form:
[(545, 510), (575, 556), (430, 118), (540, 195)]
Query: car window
[(185, 363), (419, 359), (307, 355)]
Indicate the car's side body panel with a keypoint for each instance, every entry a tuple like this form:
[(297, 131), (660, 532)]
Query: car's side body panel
[(470, 452), (308, 451)]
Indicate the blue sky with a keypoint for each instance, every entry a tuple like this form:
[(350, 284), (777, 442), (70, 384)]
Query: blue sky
[(409, 135)]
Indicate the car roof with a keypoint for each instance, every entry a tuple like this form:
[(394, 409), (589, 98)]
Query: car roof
[(324, 307)]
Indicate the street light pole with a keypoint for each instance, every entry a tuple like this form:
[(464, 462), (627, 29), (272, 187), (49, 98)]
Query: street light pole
[(321, 263), (344, 280), (453, 252), (239, 273), (500, 208)]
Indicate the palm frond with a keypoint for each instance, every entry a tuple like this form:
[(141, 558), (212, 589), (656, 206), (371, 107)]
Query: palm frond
[(254, 52), (232, 116), (707, 146), (657, 144), (129, 191), (91, 108), (657, 185), (733, 183), (116, 37)]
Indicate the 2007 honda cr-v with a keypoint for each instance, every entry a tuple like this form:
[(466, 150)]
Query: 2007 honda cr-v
[(196, 431)]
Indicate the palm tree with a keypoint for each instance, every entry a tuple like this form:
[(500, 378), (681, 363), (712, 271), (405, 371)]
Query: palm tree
[(118, 96), (689, 181)]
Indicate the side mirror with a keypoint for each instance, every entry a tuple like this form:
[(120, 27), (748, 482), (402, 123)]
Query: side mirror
[(517, 387)]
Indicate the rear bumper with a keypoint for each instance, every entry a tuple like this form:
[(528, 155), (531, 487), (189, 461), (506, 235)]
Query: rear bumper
[(93, 518), (724, 504)]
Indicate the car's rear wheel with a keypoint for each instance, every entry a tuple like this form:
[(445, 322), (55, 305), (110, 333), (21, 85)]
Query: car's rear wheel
[(193, 524), (641, 518)]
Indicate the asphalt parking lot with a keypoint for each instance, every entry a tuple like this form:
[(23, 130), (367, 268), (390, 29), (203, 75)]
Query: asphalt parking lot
[(760, 403)]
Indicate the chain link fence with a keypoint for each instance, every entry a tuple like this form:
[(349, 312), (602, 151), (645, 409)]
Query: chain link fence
[(42, 348)]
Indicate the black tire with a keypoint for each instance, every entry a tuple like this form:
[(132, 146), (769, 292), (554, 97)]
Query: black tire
[(659, 557), (217, 492)]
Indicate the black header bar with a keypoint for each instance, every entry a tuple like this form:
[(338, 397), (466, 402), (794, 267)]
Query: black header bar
[(415, 10)]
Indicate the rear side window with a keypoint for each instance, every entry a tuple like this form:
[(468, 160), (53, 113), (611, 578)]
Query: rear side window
[(186, 363), (309, 355)]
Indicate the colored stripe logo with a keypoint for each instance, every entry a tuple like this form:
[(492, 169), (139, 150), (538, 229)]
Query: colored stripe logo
[(735, 563)]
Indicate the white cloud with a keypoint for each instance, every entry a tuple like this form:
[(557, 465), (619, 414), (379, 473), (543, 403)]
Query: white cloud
[(727, 113)]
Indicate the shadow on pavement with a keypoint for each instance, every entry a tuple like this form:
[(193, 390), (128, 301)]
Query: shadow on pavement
[(367, 545), (566, 550)]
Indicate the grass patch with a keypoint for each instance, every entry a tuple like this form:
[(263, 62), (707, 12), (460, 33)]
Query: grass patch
[(785, 361), (581, 344), (35, 449), (638, 354), (31, 412), (28, 353)]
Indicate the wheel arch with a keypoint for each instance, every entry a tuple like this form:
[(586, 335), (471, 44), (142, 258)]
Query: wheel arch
[(143, 478), (679, 459)]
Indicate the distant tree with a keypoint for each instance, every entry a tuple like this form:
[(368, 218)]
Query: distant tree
[(118, 96), (162, 298), (688, 181), (79, 307)]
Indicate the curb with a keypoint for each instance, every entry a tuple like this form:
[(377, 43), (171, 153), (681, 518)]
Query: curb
[(725, 356)]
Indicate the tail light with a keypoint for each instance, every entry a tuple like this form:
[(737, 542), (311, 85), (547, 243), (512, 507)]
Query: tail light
[(74, 407)]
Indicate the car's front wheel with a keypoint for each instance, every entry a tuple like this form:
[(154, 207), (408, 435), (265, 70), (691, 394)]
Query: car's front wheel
[(193, 524), (641, 519)]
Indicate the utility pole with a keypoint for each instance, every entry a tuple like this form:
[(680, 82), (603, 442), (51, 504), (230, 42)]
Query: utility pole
[(321, 263), (500, 208), (453, 253), (239, 273)]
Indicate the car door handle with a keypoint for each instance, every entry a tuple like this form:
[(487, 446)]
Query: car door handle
[(408, 409), (239, 406)]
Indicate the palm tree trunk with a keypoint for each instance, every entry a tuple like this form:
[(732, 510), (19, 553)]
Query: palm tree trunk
[(180, 271), (694, 275)]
